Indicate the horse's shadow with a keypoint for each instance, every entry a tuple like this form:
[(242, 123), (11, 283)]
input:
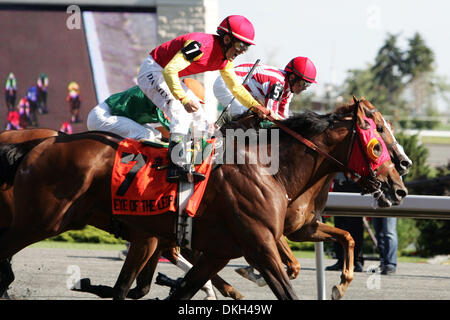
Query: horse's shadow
[(97, 257)]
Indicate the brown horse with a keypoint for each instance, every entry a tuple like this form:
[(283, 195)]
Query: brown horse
[(6, 194), (35, 136), (293, 267), (240, 199), (301, 206), (398, 156)]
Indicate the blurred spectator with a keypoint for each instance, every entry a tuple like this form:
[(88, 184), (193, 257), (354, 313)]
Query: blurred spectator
[(13, 121), (42, 86), (32, 96), (10, 91), (73, 98), (66, 127), (354, 225), (24, 112), (73, 86), (387, 239)]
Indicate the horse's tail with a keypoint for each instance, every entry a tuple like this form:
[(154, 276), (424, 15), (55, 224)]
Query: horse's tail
[(11, 155)]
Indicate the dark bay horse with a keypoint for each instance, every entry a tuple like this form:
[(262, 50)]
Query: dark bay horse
[(240, 200), (398, 156), (307, 204), (36, 136)]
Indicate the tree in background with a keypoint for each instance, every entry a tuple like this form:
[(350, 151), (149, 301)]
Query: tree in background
[(419, 71), (429, 236), (388, 73), (399, 83)]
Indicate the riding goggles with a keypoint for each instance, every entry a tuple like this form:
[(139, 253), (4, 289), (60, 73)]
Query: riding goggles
[(240, 46), (304, 83)]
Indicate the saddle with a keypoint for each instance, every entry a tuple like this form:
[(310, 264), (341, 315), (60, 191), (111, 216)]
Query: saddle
[(138, 180)]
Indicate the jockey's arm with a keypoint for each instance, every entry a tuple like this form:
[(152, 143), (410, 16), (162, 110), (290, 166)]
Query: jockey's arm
[(236, 88), (170, 72)]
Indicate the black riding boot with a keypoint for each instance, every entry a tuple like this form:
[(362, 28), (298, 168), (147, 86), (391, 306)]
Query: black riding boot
[(180, 167)]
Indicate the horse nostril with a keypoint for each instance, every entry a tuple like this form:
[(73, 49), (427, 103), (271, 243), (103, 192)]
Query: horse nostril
[(405, 164), (400, 193)]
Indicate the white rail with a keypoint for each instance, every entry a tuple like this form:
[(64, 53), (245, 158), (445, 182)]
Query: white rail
[(413, 206), (353, 204)]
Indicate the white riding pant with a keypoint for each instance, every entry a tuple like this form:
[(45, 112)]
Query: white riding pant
[(100, 118), (224, 96), (151, 81)]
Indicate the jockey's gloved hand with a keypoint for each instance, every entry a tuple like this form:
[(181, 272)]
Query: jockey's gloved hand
[(260, 111), (190, 106)]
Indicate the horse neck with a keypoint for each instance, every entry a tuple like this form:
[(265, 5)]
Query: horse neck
[(301, 167)]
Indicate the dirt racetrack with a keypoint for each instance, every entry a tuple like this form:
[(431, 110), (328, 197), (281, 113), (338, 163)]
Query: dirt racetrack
[(43, 274)]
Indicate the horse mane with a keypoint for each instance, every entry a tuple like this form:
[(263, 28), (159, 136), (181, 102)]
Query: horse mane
[(308, 122), (305, 122), (11, 155)]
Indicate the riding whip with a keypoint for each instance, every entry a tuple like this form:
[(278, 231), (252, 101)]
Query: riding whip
[(221, 120)]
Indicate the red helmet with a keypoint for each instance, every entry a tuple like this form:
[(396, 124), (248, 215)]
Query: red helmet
[(239, 27), (302, 67)]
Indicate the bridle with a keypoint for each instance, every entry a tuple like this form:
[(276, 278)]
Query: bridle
[(369, 183)]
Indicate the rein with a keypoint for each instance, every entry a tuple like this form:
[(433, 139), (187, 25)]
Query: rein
[(368, 184)]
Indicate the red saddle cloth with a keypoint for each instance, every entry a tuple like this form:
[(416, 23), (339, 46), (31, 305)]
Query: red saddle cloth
[(138, 181)]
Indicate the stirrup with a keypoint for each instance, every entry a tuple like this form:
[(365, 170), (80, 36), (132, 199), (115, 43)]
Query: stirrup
[(198, 176), (175, 174)]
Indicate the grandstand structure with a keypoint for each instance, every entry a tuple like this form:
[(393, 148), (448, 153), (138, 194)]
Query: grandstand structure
[(98, 44)]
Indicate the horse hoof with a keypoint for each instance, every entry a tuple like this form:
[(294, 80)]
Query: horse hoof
[(336, 294), (236, 295)]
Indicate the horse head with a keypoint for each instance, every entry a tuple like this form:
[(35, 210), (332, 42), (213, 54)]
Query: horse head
[(371, 158), (402, 162)]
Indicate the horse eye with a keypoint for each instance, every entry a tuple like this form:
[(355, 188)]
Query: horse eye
[(374, 149), (377, 150), (380, 129)]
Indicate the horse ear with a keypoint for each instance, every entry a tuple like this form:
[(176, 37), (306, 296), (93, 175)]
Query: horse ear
[(355, 100), (360, 115)]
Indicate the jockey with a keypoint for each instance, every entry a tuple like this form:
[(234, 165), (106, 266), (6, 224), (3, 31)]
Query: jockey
[(32, 96), (186, 55), (128, 114), (10, 91), (73, 98), (272, 87), (24, 112), (66, 127), (73, 86), (42, 86), (42, 82), (13, 121), (131, 114)]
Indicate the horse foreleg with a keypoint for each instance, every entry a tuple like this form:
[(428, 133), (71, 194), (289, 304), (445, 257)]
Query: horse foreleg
[(137, 257), (6, 277), (288, 258), (318, 231), (176, 258), (268, 262), (144, 279), (143, 282), (197, 276), (224, 287)]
